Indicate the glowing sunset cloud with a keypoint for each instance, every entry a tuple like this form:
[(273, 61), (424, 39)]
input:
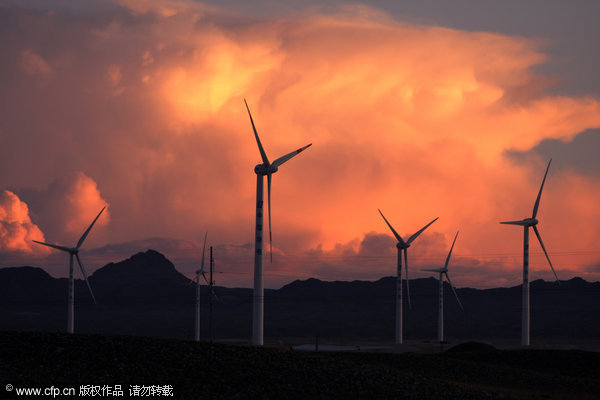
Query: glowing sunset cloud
[(146, 100), (16, 229)]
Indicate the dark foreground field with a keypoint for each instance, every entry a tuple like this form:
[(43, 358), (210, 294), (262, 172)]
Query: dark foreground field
[(204, 371)]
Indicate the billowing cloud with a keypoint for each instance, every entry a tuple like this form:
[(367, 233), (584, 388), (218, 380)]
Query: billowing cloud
[(16, 229), (67, 207), (34, 64), (420, 121)]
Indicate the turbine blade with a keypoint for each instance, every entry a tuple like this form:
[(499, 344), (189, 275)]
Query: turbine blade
[(55, 246), (450, 253), (205, 280), (263, 155), (434, 270), (537, 201), (285, 158), (537, 233), (453, 290), (407, 285), (520, 222), (88, 229), (413, 237), (85, 276), (214, 295), (203, 252), (398, 237), (269, 205)]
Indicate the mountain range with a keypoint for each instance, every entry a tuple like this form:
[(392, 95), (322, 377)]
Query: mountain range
[(146, 295)]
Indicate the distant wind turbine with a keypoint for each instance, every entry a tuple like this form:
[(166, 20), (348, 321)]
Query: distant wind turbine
[(526, 224), (266, 168), (402, 245), (198, 273), (74, 251), (444, 271)]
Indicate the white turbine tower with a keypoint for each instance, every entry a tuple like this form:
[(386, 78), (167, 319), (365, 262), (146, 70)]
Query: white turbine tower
[(526, 224), (402, 245), (444, 271), (266, 168), (198, 273), (74, 251)]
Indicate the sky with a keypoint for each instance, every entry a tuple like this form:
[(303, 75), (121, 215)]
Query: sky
[(419, 109)]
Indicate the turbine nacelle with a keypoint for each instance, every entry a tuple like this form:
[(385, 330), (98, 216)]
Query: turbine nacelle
[(401, 246), (262, 169), (531, 221)]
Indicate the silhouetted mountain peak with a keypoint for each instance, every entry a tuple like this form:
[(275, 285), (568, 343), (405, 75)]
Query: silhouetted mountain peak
[(143, 266), (577, 281), (150, 259), (150, 255), (302, 284), (145, 276)]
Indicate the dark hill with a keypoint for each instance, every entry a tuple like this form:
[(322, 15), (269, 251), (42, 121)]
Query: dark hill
[(316, 290), (146, 295), (29, 285), (143, 278)]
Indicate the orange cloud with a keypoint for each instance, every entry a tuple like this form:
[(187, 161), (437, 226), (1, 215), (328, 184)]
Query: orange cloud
[(416, 120), (68, 206), (35, 64), (16, 229), (83, 202)]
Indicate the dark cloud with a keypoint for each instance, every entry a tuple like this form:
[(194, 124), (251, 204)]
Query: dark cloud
[(579, 154), (376, 244)]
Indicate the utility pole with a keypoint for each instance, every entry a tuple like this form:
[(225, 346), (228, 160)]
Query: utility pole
[(211, 294)]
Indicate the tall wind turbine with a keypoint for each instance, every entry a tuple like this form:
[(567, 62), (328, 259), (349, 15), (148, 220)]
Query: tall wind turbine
[(444, 271), (74, 251), (198, 273), (402, 245), (526, 224), (266, 168)]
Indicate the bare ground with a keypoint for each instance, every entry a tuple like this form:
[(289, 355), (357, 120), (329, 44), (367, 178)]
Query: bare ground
[(233, 371)]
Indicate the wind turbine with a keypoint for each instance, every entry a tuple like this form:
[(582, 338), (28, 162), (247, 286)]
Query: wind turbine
[(74, 251), (198, 273), (444, 271), (526, 224), (402, 245), (266, 168)]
